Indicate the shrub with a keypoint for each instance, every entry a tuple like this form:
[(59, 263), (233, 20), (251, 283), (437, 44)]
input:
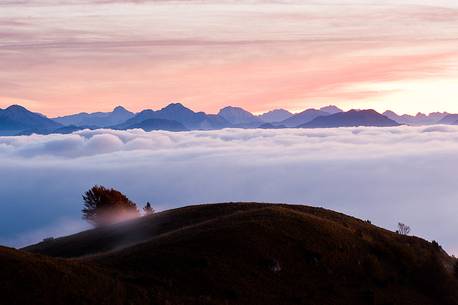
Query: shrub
[(148, 209), (48, 239), (403, 229), (436, 245)]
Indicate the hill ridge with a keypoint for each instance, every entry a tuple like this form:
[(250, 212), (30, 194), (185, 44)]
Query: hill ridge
[(237, 253)]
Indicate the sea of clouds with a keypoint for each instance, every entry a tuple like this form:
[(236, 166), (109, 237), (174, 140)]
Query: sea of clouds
[(387, 175)]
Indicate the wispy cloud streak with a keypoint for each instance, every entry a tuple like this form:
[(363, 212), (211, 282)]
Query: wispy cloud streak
[(70, 56)]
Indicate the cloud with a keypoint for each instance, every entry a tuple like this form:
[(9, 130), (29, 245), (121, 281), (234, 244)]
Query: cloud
[(88, 55), (386, 175)]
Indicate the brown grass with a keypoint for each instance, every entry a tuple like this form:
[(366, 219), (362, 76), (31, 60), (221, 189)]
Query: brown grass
[(244, 253)]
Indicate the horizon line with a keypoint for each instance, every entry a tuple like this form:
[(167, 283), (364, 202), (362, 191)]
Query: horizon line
[(255, 113)]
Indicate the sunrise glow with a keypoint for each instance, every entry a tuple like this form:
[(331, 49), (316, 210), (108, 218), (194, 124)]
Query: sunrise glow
[(61, 58)]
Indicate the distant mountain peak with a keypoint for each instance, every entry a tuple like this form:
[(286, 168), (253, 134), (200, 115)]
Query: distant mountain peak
[(236, 108), (96, 119), (352, 118), (17, 119), (390, 112), (175, 106), (120, 109), (181, 114), (418, 119), (276, 115), (303, 117), (331, 109), (17, 108), (176, 109), (278, 110), (237, 115)]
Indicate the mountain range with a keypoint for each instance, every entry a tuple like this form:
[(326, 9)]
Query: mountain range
[(276, 115), (449, 119), (178, 113), (303, 117), (17, 120), (351, 118), (239, 117), (419, 119), (99, 119)]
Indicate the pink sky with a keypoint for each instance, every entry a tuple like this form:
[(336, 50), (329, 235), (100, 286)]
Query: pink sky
[(93, 55)]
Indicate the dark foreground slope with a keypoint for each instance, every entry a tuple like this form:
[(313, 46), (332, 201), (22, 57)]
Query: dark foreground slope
[(34, 279), (233, 254)]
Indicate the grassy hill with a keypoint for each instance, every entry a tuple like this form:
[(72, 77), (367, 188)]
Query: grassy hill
[(244, 253)]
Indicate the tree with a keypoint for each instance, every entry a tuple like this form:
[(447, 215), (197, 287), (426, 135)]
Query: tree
[(148, 209), (403, 229), (103, 206)]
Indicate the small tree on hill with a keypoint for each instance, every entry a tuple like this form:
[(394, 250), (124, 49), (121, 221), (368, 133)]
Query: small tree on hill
[(103, 206), (148, 209), (403, 229)]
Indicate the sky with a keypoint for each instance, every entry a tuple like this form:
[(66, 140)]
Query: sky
[(386, 175), (59, 57)]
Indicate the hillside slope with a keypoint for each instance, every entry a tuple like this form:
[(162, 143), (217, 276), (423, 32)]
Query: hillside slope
[(33, 279), (245, 253)]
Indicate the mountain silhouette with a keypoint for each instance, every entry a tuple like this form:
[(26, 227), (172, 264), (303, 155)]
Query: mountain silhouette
[(274, 116), (352, 118), (16, 119), (419, 119), (239, 116), (99, 119), (331, 109), (450, 119), (303, 117), (179, 113)]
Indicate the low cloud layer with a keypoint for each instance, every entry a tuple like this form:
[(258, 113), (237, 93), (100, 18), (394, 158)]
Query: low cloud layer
[(387, 175)]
